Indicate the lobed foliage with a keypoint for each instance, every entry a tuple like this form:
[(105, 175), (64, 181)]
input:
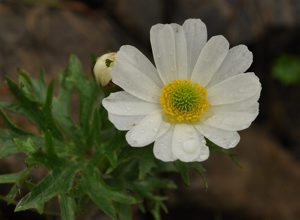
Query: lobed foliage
[(89, 163)]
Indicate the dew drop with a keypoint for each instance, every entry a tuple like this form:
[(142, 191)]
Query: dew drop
[(190, 145)]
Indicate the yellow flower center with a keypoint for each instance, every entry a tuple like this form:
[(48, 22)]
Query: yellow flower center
[(183, 101)]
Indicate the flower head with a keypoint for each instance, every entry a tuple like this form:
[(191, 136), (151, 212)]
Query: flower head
[(199, 90), (102, 68), (183, 101)]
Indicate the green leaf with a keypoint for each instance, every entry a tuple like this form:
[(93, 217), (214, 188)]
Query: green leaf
[(102, 194), (94, 133), (11, 126), (201, 170), (108, 151), (14, 177), (39, 206), (158, 205), (30, 108), (13, 107), (234, 158), (12, 194), (107, 191), (86, 89), (39, 87), (146, 162), (90, 185), (89, 93), (156, 212), (150, 189), (8, 148), (124, 211), (67, 207), (287, 69), (61, 103), (198, 166), (26, 146), (60, 181), (160, 183), (72, 80), (215, 148), (112, 158), (47, 113), (49, 144), (183, 169), (25, 84), (116, 195), (36, 90), (40, 115), (50, 161)]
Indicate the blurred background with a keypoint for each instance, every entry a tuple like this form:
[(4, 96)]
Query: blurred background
[(38, 34)]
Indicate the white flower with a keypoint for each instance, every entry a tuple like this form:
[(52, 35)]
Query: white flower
[(102, 68), (198, 89)]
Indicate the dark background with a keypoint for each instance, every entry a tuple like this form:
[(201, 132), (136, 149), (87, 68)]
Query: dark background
[(35, 34)]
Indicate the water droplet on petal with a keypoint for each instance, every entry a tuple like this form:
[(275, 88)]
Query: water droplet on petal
[(190, 145)]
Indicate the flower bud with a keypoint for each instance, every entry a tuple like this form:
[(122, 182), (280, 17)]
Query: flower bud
[(103, 67)]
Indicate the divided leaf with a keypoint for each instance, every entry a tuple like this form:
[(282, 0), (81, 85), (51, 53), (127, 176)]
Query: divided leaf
[(67, 207), (14, 177), (59, 181), (102, 194)]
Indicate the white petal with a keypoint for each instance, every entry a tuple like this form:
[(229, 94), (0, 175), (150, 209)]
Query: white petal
[(169, 51), (145, 131), (222, 138), (235, 107), (164, 51), (196, 37), (238, 60), (232, 121), (210, 59), (164, 127), (188, 145), (136, 75), (124, 123), (204, 153), (234, 89), (238, 106), (163, 147), (181, 51), (122, 103)]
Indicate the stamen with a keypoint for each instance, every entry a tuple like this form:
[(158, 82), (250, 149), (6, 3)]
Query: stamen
[(183, 101)]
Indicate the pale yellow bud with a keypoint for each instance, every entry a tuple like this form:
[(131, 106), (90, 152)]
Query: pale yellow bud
[(102, 68)]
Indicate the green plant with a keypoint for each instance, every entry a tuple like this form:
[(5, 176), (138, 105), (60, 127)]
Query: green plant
[(89, 163)]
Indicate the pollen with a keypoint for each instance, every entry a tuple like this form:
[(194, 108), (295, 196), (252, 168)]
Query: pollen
[(183, 101)]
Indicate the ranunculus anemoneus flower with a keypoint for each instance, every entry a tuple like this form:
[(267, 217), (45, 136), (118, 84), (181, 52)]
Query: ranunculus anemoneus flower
[(102, 68), (199, 89)]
